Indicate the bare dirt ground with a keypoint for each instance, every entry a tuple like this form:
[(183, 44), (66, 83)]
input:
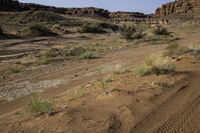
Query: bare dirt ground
[(164, 103)]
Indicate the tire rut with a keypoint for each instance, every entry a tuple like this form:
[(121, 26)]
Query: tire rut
[(184, 120)]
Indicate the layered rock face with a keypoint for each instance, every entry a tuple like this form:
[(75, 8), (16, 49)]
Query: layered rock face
[(179, 7), (10, 5)]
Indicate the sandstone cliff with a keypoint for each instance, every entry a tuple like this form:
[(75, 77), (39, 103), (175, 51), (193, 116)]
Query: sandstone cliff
[(191, 7)]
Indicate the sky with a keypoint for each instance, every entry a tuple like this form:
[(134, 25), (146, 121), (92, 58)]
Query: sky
[(145, 6)]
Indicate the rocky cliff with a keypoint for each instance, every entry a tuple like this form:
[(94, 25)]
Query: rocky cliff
[(14, 5), (191, 7)]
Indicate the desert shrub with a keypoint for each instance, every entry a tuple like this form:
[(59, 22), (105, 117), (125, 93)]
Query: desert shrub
[(155, 65), (91, 28), (88, 55), (39, 106), (128, 31), (160, 30), (37, 30), (175, 50)]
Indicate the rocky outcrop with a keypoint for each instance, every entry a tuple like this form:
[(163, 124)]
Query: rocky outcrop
[(179, 7), (10, 5)]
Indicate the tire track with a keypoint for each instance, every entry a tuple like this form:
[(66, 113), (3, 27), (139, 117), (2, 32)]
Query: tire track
[(183, 121)]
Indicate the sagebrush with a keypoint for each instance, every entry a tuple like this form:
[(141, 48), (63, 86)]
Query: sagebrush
[(130, 31), (160, 30)]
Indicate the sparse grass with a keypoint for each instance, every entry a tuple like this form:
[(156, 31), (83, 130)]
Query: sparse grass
[(88, 55), (77, 51), (59, 54), (160, 30), (155, 64), (102, 81), (142, 70), (74, 94), (195, 48), (37, 30), (175, 50), (45, 61), (16, 70), (18, 62), (130, 32), (121, 70), (39, 106)]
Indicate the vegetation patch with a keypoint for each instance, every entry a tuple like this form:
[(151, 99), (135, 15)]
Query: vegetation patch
[(129, 32), (39, 106), (37, 30), (156, 64)]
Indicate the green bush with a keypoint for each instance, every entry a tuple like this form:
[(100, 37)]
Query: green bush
[(155, 65), (160, 30), (37, 30), (128, 31), (91, 28), (38, 106)]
